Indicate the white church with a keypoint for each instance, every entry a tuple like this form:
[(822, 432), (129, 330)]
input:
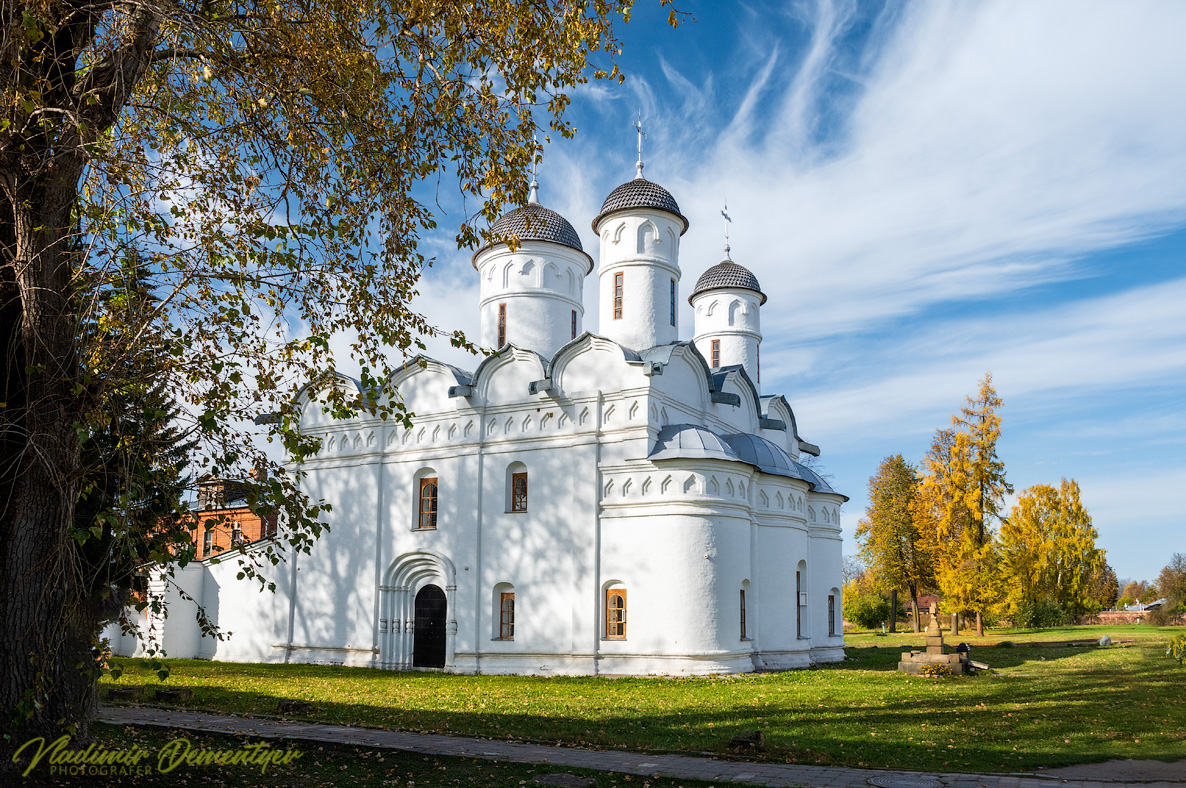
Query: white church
[(610, 502)]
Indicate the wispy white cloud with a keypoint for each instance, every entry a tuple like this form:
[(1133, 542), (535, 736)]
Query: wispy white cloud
[(1130, 339)]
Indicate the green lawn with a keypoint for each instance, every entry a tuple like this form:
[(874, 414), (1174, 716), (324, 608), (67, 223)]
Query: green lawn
[(1039, 706), (321, 766)]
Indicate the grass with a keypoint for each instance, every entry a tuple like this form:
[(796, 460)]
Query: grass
[(323, 765), (1040, 706)]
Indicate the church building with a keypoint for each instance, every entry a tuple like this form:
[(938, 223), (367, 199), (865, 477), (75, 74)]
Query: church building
[(607, 501)]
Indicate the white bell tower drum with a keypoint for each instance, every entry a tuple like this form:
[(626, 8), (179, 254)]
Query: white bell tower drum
[(726, 303), (532, 297), (640, 226)]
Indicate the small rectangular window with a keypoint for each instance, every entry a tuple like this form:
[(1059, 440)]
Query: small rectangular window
[(831, 614), (716, 353), (615, 614), (518, 492), (207, 542), (506, 617), (502, 324), (618, 296), (758, 356), (743, 614), (574, 324), (673, 302), (426, 509), (236, 536)]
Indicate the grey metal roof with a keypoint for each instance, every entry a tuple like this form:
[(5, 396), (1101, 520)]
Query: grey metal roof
[(727, 275), (690, 441), (816, 480), (534, 222), (766, 456), (640, 193)]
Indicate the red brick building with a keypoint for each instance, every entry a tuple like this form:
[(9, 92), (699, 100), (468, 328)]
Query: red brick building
[(222, 519)]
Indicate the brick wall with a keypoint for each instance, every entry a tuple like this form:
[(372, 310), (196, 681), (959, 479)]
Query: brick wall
[(225, 523)]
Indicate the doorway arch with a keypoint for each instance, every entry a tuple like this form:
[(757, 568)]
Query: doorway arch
[(428, 628), (408, 575)]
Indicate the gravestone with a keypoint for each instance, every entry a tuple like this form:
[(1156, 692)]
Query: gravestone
[(935, 653)]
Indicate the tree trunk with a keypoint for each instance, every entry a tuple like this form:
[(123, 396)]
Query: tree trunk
[(955, 623), (979, 624), (47, 677), (893, 617), (914, 604)]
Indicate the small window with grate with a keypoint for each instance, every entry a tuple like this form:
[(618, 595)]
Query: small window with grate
[(618, 290), (615, 614), (502, 324), (518, 492)]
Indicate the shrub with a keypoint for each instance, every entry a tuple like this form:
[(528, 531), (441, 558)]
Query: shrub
[(1177, 649), (1040, 614), (866, 610)]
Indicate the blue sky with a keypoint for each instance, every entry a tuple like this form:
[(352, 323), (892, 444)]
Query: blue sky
[(926, 192)]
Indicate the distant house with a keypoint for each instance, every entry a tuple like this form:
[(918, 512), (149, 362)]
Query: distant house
[(222, 519), (924, 602)]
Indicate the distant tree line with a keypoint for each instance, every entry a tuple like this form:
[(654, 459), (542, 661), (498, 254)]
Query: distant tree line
[(939, 527)]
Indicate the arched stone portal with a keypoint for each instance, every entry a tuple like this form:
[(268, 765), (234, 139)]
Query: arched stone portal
[(400, 606)]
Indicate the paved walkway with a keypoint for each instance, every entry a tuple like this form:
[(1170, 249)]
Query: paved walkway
[(679, 766)]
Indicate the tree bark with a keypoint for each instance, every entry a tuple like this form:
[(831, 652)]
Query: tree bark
[(914, 604), (979, 624), (893, 616), (46, 678)]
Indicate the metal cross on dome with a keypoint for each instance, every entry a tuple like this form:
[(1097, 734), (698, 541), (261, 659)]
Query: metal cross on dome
[(533, 189), (641, 134), (728, 220)]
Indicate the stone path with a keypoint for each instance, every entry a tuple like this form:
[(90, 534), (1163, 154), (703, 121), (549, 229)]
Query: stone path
[(678, 766)]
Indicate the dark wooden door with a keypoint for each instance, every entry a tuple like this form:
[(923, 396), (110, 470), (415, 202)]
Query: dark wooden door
[(428, 632)]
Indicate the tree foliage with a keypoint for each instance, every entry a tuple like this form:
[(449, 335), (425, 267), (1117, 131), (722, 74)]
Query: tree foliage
[(1104, 588), (271, 168), (1048, 550), (963, 489), (892, 543), (1171, 582)]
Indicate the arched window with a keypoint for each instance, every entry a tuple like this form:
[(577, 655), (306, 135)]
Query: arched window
[(615, 613), (800, 596), (519, 492), (516, 487), (503, 611), (506, 615), (743, 635), (426, 504)]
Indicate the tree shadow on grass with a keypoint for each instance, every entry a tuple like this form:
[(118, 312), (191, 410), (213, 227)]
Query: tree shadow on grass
[(855, 716)]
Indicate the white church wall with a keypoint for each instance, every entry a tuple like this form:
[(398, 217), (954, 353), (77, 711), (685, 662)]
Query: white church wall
[(826, 558), (339, 573)]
